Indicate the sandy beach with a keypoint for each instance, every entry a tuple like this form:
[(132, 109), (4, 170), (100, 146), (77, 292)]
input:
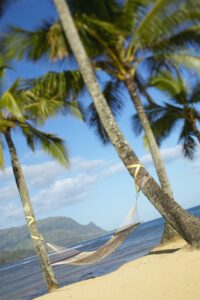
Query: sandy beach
[(168, 272)]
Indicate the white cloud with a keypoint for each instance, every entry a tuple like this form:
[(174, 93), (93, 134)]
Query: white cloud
[(64, 192), (168, 155), (80, 164), (6, 175), (53, 187), (40, 175), (11, 214), (8, 192), (114, 168)]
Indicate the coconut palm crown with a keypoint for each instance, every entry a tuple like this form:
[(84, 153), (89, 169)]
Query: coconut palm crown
[(15, 112), (123, 39), (181, 108)]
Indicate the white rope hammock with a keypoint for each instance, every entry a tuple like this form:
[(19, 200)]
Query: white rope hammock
[(72, 256), (63, 255)]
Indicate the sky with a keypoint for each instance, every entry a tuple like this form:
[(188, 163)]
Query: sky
[(95, 187)]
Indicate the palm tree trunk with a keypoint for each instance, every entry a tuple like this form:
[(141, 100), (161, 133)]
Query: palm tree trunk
[(186, 225), (37, 239), (169, 232)]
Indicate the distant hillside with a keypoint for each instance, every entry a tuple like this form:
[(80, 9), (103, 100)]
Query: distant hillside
[(15, 242)]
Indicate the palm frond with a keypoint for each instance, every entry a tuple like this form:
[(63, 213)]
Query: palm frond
[(9, 103), (164, 83), (6, 123), (142, 86), (46, 41), (187, 139), (104, 10), (132, 12), (19, 43), (136, 125), (53, 93), (40, 109), (4, 5), (153, 111), (186, 38), (163, 119), (187, 60), (154, 64), (74, 108), (50, 143), (165, 19), (113, 94), (163, 126), (172, 85), (195, 94), (66, 84), (95, 38)]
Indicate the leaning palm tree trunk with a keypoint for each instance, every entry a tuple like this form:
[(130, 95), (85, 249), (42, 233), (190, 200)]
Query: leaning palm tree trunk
[(37, 239), (186, 225), (169, 232)]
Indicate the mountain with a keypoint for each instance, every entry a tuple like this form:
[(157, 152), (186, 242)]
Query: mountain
[(15, 242)]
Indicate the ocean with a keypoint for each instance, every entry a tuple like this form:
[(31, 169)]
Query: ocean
[(23, 280)]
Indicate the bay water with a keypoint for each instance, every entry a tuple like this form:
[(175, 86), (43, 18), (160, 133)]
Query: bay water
[(23, 280)]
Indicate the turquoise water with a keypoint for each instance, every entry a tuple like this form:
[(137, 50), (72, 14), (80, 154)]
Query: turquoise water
[(23, 279)]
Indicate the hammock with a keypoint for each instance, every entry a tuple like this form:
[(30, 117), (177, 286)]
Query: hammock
[(72, 256)]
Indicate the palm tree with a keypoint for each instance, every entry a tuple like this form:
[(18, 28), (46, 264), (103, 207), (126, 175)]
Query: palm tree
[(178, 109), (4, 5), (186, 225), (119, 38), (15, 112)]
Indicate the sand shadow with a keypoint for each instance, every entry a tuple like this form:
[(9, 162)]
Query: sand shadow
[(167, 251)]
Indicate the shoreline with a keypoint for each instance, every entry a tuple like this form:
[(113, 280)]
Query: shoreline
[(171, 271)]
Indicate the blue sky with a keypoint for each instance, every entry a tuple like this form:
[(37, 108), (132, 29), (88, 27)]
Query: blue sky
[(96, 187)]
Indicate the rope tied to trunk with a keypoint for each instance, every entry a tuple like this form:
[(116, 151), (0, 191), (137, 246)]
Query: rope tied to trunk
[(31, 220), (137, 168)]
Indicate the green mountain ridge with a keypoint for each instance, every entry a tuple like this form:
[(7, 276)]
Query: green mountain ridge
[(15, 242)]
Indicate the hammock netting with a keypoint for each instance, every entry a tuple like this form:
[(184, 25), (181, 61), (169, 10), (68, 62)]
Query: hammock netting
[(63, 255)]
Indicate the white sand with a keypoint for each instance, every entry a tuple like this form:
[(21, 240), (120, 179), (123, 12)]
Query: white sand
[(158, 276)]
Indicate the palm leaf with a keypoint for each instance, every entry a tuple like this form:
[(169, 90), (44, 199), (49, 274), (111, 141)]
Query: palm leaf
[(19, 43), (191, 62), (195, 94), (163, 120), (9, 103), (113, 94), (74, 108), (172, 85), (165, 84), (65, 84), (6, 123), (164, 19), (53, 93), (132, 12), (186, 137), (189, 37), (4, 5), (50, 143)]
